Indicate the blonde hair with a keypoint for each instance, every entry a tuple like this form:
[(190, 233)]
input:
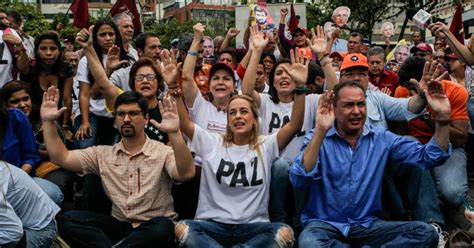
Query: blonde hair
[(254, 138)]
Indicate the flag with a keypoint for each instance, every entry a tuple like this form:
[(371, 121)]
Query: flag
[(456, 24), (293, 23), (129, 7), (80, 9)]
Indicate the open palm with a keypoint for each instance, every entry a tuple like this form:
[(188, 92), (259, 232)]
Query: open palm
[(169, 116), (49, 107), (319, 42), (298, 70), (325, 112)]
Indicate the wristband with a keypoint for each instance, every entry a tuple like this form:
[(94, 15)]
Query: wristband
[(322, 57), (300, 90), (176, 93), (193, 53)]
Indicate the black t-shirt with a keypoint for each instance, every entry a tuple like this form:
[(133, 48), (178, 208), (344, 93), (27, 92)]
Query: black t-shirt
[(153, 132)]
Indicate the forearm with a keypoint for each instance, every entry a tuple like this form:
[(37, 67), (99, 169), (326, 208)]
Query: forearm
[(225, 44), (297, 112), (189, 87), (95, 67), (311, 153), (248, 83), (329, 73), (457, 137), (184, 160), (23, 62), (246, 40), (461, 51), (185, 124), (84, 105), (441, 136), (416, 104), (68, 105), (56, 149)]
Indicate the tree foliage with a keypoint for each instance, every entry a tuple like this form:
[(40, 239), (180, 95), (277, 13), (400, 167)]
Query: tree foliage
[(34, 21)]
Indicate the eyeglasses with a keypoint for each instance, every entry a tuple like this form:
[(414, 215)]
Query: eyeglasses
[(421, 54), (149, 77), (131, 114)]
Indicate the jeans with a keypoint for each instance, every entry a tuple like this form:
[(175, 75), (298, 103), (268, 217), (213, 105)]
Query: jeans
[(94, 198), (51, 189), (380, 234), (470, 110), (202, 233), (103, 131), (38, 238), (278, 188), (42, 238), (89, 229), (451, 178)]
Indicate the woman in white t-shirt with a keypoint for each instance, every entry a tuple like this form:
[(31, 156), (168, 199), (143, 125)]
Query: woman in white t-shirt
[(276, 109), (235, 177)]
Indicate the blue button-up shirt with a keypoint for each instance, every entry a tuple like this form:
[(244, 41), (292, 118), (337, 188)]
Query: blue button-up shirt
[(345, 184)]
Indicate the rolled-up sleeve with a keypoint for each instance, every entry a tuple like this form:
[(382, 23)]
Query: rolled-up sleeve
[(298, 175)]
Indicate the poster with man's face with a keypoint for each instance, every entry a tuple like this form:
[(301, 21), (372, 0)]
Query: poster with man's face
[(341, 15), (387, 29), (263, 19)]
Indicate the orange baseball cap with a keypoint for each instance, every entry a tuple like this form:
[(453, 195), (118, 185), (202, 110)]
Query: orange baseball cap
[(354, 60)]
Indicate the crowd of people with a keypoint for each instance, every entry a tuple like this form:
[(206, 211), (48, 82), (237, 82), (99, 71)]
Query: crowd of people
[(311, 140)]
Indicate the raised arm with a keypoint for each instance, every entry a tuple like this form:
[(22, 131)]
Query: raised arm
[(258, 43), (58, 152), (298, 71), (319, 45), (284, 42), (439, 103), (441, 30), (22, 60), (189, 86), (108, 89), (324, 121), (185, 169), (231, 33)]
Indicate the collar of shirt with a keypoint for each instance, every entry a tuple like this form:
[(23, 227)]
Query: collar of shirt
[(333, 132), (146, 149)]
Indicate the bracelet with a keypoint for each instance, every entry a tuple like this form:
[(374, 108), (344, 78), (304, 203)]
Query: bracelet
[(322, 57), (443, 122), (300, 90), (65, 126), (193, 53), (325, 61), (176, 93)]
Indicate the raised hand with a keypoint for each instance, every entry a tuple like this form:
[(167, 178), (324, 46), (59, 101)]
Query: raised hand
[(199, 29), (11, 39), (430, 72), (386, 91), (298, 70), (233, 32), (283, 12), (49, 107), (170, 69), (437, 100), (169, 116), (258, 38), (439, 29), (83, 38), (319, 42), (325, 112), (113, 58)]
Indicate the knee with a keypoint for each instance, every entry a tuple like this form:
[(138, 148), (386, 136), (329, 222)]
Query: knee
[(181, 232), (285, 237), (427, 233), (451, 195)]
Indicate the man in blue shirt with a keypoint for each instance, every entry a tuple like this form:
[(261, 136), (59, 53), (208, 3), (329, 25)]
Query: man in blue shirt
[(343, 168)]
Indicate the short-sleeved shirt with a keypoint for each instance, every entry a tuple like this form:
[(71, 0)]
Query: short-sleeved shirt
[(139, 185), (457, 96), (274, 116), (7, 67), (235, 180), (388, 79)]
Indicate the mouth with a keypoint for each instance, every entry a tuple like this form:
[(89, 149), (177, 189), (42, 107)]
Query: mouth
[(25, 109), (355, 121), (284, 84), (50, 61), (239, 124), (221, 89)]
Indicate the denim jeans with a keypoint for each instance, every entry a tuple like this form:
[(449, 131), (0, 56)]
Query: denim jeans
[(409, 193), (278, 189), (202, 233), (380, 234), (470, 110), (38, 238), (51, 189), (103, 131), (89, 229), (451, 178)]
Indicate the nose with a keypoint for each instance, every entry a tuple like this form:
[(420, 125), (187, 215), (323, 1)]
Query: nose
[(127, 118)]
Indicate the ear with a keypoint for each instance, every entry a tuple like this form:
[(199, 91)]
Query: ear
[(140, 52)]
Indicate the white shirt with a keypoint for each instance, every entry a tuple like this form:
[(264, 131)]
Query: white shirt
[(6, 68), (235, 180)]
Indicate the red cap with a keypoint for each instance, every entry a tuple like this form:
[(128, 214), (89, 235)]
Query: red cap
[(424, 47), (336, 54), (300, 30), (219, 66), (354, 60)]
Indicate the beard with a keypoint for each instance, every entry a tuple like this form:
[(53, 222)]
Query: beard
[(127, 131)]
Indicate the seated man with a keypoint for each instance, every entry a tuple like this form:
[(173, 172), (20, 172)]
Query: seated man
[(343, 168), (25, 210), (450, 178), (137, 174)]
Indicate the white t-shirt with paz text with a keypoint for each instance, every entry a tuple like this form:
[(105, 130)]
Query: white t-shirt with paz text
[(235, 180), (274, 116)]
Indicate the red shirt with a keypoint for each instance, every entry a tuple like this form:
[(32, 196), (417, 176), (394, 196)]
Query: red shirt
[(387, 79)]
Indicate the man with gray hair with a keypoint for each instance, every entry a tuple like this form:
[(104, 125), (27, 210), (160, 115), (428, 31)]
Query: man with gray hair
[(125, 26)]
